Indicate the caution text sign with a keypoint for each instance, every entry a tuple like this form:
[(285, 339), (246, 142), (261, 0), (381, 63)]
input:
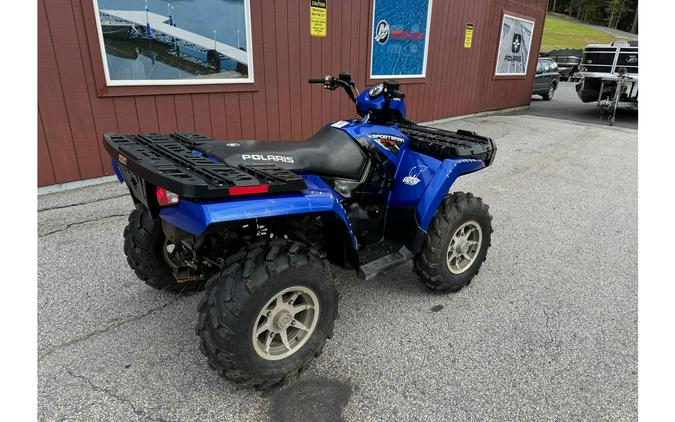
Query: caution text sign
[(318, 18), (468, 35)]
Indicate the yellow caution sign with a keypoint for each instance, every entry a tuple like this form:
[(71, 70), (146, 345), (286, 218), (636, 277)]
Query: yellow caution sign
[(468, 35), (318, 18)]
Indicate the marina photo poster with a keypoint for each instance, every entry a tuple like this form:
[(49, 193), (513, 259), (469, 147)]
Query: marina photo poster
[(400, 38), (175, 42), (514, 46)]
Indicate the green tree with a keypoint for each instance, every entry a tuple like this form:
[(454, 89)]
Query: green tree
[(619, 14), (616, 10)]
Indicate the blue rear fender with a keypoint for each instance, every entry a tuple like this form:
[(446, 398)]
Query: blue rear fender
[(198, 217)]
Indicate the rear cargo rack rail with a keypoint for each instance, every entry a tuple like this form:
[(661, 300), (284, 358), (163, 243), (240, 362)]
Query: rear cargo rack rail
[(174, 163), (442, 144)]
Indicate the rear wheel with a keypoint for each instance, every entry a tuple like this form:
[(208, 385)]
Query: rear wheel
[(151, 255), (459, 237), (268, 313)]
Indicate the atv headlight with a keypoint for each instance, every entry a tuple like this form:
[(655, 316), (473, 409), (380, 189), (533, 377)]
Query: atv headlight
[(376, 90)]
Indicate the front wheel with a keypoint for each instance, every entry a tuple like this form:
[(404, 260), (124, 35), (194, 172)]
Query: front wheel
[(268, 313), (457, 244), (549, 95)]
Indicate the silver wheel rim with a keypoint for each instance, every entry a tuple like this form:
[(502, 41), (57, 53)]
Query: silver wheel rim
[(550, 92), (464, 247), (285, 323)]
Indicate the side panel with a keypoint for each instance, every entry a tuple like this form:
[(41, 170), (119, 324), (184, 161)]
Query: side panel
[(195, 217), (439, 186), (370, 132), (414, 173)]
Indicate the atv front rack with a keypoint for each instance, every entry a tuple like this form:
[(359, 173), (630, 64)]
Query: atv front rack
[(173, 162), (442, 144)]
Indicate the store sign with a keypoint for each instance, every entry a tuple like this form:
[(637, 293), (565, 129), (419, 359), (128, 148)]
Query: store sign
[(400, 38), (318, 18), (468, 35), (514, 46), (160, 42)]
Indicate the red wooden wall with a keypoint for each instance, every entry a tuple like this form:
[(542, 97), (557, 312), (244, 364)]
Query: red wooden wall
[(76, 108)]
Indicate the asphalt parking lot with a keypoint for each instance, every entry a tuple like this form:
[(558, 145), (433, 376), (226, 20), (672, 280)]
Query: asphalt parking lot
[(566, 105), (548, 329)]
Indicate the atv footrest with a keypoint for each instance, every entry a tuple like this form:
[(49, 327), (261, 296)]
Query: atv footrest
[(442, 144), (174, 162), (381, 256)]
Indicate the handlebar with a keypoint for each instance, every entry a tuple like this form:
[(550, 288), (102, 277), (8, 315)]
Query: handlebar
[(391, 89), (332, 83), (345, 81), (397, 94), (386, 90)]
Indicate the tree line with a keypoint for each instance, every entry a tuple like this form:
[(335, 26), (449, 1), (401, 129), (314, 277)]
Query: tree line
[(618, 14)]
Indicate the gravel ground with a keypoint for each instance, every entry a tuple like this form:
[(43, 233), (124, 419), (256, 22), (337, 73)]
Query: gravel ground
[(548, 329)]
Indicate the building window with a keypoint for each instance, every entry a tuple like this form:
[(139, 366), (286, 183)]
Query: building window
[(400, 38), (514, 46), (175, 42)]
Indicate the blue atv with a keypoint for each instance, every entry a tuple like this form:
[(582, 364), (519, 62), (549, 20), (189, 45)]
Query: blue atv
[(259, 224)]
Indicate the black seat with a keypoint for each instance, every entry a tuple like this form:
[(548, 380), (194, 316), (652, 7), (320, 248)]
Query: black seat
[(330, 152)]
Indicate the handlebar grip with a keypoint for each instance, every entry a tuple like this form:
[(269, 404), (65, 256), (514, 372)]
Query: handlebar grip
[(316, 80), (398, 94)]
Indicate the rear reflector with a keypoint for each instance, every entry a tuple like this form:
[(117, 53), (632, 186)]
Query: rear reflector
[(248, 190), (165, 197)]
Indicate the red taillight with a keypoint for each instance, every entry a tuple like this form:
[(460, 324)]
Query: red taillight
[(165, 197), (248, 190)]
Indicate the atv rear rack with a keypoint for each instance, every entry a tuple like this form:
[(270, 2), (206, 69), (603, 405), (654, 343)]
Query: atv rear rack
[(442, 144), (173, 162)]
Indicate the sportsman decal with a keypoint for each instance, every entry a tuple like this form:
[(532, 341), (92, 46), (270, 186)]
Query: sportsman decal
[(392, 143)]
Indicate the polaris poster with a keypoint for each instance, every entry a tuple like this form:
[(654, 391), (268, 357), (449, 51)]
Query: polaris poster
[(400, 38), (514, 46)]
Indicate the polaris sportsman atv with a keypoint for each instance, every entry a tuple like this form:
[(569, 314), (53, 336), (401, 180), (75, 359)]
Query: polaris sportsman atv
[(258, 222)]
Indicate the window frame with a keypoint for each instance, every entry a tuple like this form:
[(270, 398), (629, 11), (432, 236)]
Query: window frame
[(248, 82)]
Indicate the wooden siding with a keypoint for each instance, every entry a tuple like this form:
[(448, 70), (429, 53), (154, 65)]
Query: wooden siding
[(76, 108)]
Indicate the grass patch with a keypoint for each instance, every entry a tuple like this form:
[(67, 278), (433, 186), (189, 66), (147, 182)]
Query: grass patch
[(565, 33)]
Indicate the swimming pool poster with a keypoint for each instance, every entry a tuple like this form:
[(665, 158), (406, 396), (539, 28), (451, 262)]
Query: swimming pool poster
[(165, 42), (514, 46), (400, 38)]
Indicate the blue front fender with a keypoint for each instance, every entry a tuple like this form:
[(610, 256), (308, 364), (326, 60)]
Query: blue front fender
[(196, 216), (439, 186)]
